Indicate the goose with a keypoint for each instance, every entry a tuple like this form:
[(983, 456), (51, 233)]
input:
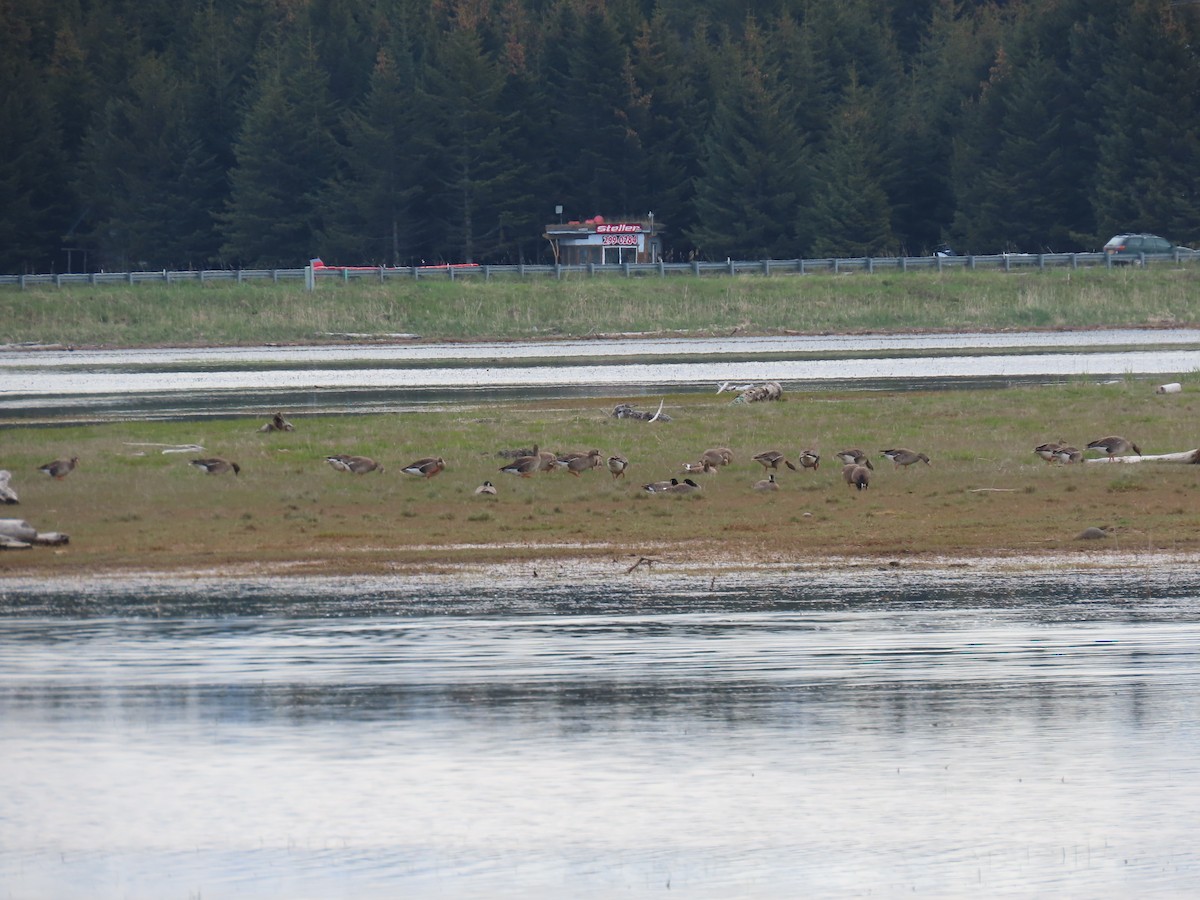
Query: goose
[(687, 486), (718, 456), (658, 487), (1048, 451), (524, 466), (771, 459), (59, 469), (215, 465), (7, 494), (486, 488), (617, 465), (704, 467), (1065, 455), (854, 455), (358, 465), (426, 467), (810, 459), (767, 484), (577, 462), (903, 457), (1114, 446), (857, 476)]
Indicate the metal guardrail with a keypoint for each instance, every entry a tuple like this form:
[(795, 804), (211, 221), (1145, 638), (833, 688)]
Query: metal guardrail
[(1006, 262)]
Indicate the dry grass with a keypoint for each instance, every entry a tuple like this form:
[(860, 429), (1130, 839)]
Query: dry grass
[(985, 493)]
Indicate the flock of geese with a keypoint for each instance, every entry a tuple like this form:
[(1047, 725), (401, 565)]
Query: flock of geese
[(526, 463)]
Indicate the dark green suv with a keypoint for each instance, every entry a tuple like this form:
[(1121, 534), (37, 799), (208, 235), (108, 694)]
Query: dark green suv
[(1126, 249)]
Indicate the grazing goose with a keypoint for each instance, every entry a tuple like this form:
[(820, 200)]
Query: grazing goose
[(617, 466), (1065, 454), (60, 468), (687, 486), (810, 459), (902, 457), (215, 465), (854, 455), (358, 465), (857, 476), (577, 462), (718, 456), (771, 459), (7, 494), (425, 467), (486, 488), (524, 466), (767, 484), (1115, 446), (704, 467), (658, 487), (1049, 450)]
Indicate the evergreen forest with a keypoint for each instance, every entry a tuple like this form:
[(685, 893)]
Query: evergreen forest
[(151, 134)]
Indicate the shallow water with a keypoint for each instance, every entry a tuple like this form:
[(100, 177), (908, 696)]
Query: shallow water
[(951, 733), (175, 383)]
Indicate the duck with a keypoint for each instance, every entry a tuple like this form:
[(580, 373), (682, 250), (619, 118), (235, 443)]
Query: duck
[(577, 462), (854, 455), (59, 469), (771, 459), (857, 476), (425, 467), (524, 466), (903, 457), (704, 467), (718, 456), (1114, 446), (658, 487), (617, 466), (358, 465), (7, 494), (767, 484), (215, 465), (810, 459), (687, 486), (486, 488), (1048, 450)]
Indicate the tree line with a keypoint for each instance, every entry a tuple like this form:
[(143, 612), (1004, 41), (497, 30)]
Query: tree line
[(260, 133)]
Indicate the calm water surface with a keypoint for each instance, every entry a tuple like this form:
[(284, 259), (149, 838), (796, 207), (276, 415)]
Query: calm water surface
[(861, 733)]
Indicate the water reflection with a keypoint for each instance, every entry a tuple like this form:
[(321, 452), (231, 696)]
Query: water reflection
[(783, 736)]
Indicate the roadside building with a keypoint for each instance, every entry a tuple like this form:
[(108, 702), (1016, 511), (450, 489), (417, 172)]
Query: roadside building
[(605, 243)]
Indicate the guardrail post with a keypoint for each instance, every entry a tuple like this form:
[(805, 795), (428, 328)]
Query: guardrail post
[(558, 271), (732, 268), (696, 267), (766, 267), (310, 278), (662, 269), (870, 265), (1007, 263), (625, 268), (800, 268), (591, 270), (836, 270)]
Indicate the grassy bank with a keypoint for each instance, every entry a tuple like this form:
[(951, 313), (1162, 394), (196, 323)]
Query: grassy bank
[(253, 313), (131, 507)]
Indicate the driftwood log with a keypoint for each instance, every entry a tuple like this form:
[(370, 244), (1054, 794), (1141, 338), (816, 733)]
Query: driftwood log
[(625, 411), (17, 534), (757, 393), (1189, 457)]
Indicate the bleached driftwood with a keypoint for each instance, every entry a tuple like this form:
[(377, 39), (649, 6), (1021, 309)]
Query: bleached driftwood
[(167, 448), (771, 390), (17, 534), (1191, 457), (625, 411)]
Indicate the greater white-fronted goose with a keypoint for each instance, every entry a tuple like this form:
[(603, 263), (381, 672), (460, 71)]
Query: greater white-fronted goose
[(215, 465), (854, 455), (903, 457), (770, 459), (59, 469), (425, 467), (617, 466), (357, 465), (1114, 446)]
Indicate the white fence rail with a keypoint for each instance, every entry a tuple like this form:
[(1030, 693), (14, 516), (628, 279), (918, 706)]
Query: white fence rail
[(1006, 262)]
